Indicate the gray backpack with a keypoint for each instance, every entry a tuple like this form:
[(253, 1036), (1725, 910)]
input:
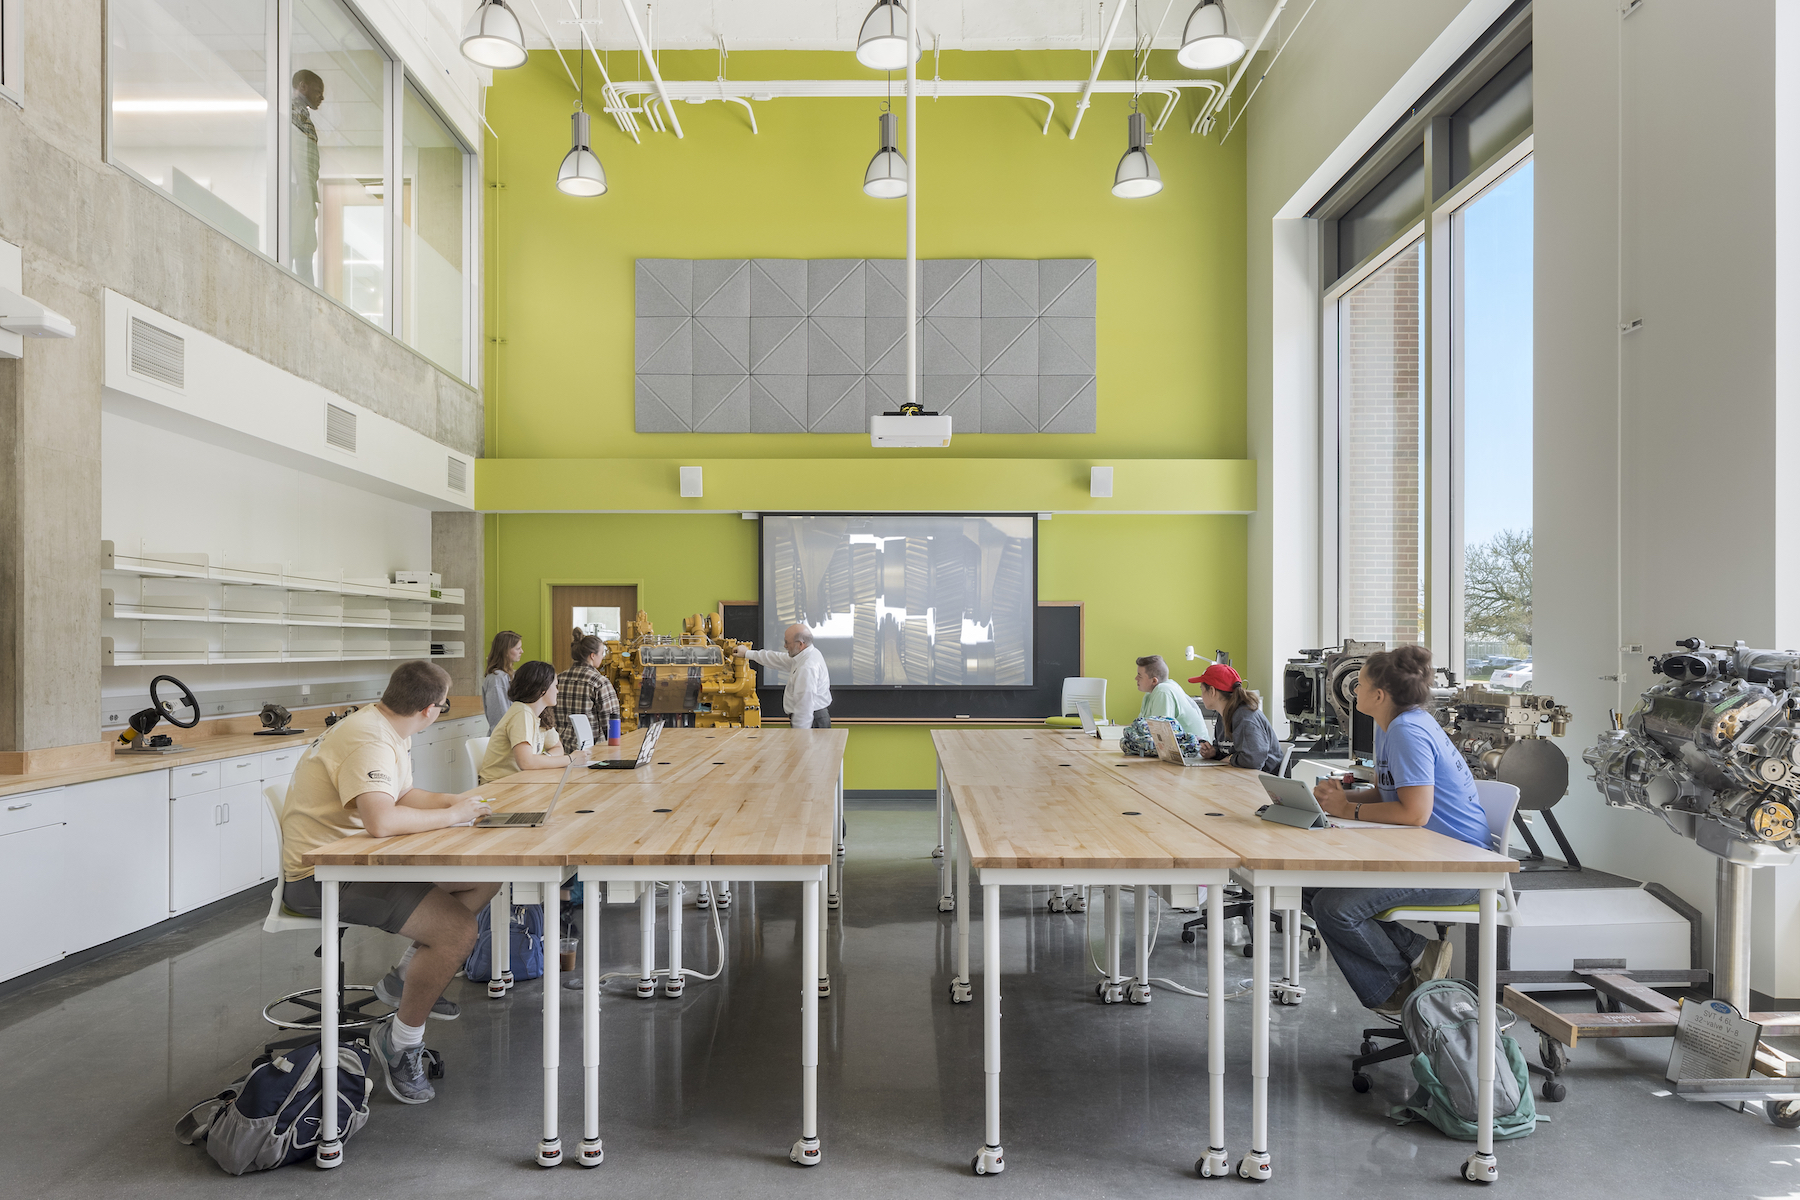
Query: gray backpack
[(270, 1117), (1442, 1020)]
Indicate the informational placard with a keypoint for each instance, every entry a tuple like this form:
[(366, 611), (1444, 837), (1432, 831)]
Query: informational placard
[(1712, 1041)]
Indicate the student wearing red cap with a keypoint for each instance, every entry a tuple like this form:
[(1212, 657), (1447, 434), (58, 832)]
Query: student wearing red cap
[(1241, 723)]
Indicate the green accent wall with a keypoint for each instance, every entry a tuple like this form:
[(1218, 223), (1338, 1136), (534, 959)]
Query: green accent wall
[(561, 454)]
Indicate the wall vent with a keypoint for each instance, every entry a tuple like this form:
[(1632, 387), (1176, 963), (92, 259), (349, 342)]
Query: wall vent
[(459, 474), (340, 428), (158, 354)]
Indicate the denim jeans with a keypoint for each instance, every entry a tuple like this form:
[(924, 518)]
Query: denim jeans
[(1375, 956)]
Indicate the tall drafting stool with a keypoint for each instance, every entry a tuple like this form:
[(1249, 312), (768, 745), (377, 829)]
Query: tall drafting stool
[(297, 1013)]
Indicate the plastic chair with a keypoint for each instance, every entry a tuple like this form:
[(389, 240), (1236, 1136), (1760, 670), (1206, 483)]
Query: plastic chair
[(477, 750), (584, 730), (1091, 688), (301, 1018)]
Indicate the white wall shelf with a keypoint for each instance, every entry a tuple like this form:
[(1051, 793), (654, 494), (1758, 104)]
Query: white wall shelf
[(182, 565), (163, 654)]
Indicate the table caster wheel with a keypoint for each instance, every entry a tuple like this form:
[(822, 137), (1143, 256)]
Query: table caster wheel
[(1554, 1092), (673, 987), (805, 1152), (1215, 1165), (1361, 1082), (496, 988), (1112, 993), (703, 901), (1783, 1114), (1057, 904), (825, 985), (960, 991), (1481, 1168), (549, 1153), (946, 904), (1138, 993), (1077, 904), (591, 1153), (506, 977), (1288, 995), (938, 853), (1254, 1166), (1189, 936), (1249, 950), (329, 1155), (833, 900), (724, 900), (1367, 1047), (990, 1161), (646, 988)]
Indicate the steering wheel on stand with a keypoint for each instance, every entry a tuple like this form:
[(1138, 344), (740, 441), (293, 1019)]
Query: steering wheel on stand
[(183, 712)]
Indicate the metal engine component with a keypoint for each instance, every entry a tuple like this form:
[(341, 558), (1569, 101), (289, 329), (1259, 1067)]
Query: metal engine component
[(1319, 692), (1500, 736), (1714, 752), (694, 678)]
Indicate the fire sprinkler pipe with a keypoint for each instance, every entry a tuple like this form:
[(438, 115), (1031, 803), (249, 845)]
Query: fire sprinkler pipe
[(650, 61), (1094, 75)]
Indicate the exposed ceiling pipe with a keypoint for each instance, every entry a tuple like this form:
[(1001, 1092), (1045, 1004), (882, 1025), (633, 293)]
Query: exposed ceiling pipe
[(662, 91), (1219, 100), (1094, 75)]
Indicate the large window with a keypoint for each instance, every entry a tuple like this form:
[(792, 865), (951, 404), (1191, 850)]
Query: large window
[(12, 52), (286, 124)]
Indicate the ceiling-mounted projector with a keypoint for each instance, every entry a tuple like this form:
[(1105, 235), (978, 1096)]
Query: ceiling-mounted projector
[(911, 427)]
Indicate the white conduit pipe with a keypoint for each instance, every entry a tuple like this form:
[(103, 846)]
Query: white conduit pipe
[(650, 61), (611, 101), (1094, 75), (912, 208), (1219, 100)]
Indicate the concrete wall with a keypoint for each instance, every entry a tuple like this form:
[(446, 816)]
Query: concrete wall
[(83, 226)]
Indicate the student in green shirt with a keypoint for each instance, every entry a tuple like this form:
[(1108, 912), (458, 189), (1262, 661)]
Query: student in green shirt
[(1163, 697)]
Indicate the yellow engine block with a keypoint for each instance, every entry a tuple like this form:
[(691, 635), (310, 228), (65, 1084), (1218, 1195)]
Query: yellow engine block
[(694, 678)]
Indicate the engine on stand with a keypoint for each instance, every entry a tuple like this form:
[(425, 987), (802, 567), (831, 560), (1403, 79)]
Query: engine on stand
[(1715, 752), (692, 679), (1318, 691), (1502, 735)]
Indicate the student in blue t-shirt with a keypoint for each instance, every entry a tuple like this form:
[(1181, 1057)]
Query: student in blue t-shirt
[(1420, 779)]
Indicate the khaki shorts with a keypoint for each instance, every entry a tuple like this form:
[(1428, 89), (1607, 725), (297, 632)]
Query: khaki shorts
[(380, 905)]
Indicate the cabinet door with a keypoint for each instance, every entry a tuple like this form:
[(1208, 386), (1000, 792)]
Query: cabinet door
[(30, 932), (194, 823), (117, 845), (240, 837)]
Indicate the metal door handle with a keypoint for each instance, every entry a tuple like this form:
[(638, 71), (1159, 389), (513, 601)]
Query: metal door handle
[(216, 820), (17, 807), (195, 774), (227, 809)]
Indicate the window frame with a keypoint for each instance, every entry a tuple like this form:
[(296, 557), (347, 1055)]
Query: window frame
[(12, 51)]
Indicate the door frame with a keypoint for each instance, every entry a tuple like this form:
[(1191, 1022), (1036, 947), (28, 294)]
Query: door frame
[(545, 610)]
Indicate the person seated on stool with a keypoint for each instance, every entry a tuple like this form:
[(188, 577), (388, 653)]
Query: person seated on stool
[(1253, 741), (525, 739), (357, 776), (1163, 697), (583, 690), (1420, 779), (808, 695)]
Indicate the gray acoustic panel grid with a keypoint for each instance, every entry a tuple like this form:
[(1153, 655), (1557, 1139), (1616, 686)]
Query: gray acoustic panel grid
[(787, 345)]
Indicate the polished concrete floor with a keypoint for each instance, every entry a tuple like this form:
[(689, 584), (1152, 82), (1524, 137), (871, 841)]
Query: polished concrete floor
[(702, 1093)]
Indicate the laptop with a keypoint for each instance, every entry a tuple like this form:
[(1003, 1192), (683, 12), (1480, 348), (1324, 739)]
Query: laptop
[(1168, 746), (1293, 804), (631, 764), (1109, 733), (525, 820)]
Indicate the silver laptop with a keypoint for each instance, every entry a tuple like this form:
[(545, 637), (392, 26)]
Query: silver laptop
[(1084, 709), (527, 820), (631, 764)]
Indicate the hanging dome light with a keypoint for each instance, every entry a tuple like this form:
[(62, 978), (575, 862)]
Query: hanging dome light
[(494, 38), (581, 173), (1137, 174), (1205, 44), (882, 42), (886, 177)]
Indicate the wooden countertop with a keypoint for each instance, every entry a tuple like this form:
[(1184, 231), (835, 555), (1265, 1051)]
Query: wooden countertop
[(224, 738), (746, 796)]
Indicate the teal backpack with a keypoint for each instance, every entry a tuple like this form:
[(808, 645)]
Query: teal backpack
[(1442, 1021)]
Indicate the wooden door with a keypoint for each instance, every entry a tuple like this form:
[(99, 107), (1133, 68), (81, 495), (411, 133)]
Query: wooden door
[(565, 600)]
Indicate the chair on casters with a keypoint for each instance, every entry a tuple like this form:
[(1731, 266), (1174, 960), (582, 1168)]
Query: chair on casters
[(297, 1013), (1498, 803)]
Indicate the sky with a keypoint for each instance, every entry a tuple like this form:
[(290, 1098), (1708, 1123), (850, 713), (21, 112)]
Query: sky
[(1496, 233)]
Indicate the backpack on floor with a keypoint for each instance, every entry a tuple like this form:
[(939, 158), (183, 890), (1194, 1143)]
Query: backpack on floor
[(271, 1116), (526, 960), (1442, 1020)]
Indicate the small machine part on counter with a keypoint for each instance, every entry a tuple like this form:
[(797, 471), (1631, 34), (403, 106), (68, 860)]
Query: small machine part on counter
[(1502, 735), (277, 722), (693, 679), (332, 718), (182, 713)]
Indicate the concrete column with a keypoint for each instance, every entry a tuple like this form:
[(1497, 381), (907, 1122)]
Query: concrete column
[(456, 554)]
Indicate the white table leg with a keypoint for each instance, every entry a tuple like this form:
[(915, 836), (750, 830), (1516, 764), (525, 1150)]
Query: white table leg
[(835, 893), (960, 990), (674, 984), (946, 828), (592, 1154), (499, 940), (1112, 988), (824, 926), (1289, 991), (1255, 1164), (331, 1147), (990, 1159), (646, 985), (1215, 1163), (1481, 1165), (806, 1151), (1139, 992), (549, 1151)]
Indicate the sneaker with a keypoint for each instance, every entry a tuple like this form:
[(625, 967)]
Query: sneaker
[(405, 1069), (1391, 1007), (1433, 963), (391, 985)]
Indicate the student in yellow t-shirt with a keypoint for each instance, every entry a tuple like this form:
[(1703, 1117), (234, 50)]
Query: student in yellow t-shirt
[(357, 777), (525, 738)]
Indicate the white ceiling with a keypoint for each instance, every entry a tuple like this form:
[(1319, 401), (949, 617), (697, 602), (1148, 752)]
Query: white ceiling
[(833, 24)]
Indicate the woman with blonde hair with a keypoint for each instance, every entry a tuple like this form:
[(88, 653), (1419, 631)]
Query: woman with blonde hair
[(503, 656)]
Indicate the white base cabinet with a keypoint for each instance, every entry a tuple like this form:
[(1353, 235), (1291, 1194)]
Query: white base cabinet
[(440, 757), (117, 846), (215, 833), (31, 859)]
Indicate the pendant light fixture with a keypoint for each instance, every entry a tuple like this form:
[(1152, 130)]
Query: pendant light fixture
[(1136, 174), (881, 44), (580, 173), (1205, 43), (494, 38)]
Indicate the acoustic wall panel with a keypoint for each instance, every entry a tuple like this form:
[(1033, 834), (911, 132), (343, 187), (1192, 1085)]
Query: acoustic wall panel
[(819, 345)]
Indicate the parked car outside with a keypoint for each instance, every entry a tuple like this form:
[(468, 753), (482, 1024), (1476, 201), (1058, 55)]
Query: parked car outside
[(1515, 678)]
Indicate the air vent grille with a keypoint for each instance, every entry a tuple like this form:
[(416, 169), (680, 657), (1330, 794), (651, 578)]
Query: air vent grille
[(158, 354), (459, 474), (340, 428)]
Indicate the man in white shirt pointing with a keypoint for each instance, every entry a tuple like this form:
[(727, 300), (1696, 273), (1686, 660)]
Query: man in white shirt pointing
[(808, 695)]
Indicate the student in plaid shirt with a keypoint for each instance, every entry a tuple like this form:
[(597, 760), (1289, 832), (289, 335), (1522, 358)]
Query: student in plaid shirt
[(583, 689)]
